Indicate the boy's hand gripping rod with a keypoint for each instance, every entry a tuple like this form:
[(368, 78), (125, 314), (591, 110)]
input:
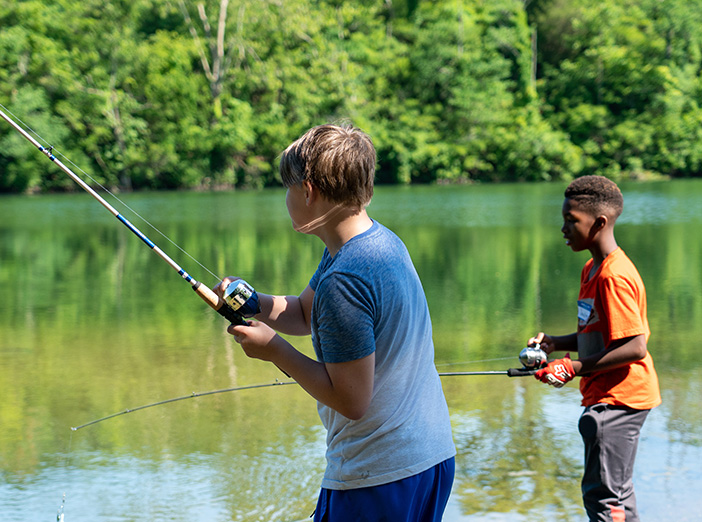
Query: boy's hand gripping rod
[(240, 299), (531, 357)]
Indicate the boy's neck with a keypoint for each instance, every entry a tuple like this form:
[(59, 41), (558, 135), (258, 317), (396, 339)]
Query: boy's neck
[(602, 247), (344, 226)]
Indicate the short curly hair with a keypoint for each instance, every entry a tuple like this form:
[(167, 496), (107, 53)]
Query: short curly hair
[(596, 195)]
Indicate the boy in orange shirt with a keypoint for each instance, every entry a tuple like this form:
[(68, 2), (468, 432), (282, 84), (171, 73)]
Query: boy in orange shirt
[(618, 382)]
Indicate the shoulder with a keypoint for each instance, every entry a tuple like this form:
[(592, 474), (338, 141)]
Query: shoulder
[(379, 234), (619, 267), (620, 278), (376, 246)]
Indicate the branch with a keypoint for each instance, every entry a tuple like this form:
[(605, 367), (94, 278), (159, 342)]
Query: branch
[(206, 26), (198, 44), (221, 26)]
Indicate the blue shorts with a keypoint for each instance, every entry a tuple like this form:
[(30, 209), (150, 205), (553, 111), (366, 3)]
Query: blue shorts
[(419, 498)]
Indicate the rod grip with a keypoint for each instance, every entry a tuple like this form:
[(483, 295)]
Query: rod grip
[(520, 372), (218, 304)]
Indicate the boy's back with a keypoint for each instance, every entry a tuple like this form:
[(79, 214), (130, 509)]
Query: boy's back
[(369, 299)]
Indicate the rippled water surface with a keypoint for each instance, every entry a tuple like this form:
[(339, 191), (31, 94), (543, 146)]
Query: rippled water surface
[(93, 323)]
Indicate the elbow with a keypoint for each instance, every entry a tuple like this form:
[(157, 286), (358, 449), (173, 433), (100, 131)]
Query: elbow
[(640, 349), (354, 414), (354, 410), (306, 323), (641, 353)]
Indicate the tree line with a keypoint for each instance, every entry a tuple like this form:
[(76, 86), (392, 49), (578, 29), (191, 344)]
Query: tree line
[(181, 94)]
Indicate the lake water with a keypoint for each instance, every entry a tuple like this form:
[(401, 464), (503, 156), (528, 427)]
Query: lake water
[(92, 323)]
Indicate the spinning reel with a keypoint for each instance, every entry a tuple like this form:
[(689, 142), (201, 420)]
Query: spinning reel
[(533, 357), (242, 298)]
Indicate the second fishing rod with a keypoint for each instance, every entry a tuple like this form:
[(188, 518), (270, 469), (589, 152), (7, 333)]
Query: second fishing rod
[(531, 357), (240, 300)]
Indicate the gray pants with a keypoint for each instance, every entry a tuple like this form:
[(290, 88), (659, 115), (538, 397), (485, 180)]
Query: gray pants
[(611, 437)]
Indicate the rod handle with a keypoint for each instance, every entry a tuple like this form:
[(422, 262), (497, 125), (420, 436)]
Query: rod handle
[(520, 372), (218, 304)]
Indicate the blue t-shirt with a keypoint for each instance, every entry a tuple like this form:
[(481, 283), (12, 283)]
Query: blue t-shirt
[(368, 298)]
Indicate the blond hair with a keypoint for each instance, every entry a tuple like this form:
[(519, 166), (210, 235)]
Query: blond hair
[(338, 160)]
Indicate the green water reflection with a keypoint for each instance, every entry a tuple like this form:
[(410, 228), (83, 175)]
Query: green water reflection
[(92, 323)]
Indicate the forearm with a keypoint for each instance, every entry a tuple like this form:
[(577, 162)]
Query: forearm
[(285, 314), (620, 353), (347, 388), (564, 343)]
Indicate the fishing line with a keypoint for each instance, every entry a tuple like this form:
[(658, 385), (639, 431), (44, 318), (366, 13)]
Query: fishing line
[(66, 464), (240, 300), (472, 362), (108, 191), (184, 397)]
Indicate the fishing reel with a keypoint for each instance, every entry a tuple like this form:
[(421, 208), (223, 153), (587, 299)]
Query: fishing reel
[(242, 299), (533, 357)]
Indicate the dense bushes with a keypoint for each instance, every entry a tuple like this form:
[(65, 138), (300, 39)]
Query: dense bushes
[(160, 94)]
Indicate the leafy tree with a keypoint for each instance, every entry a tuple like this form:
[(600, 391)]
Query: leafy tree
[(152, 94), (616, 81)]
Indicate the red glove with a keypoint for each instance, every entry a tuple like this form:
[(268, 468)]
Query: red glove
[(557, 372)]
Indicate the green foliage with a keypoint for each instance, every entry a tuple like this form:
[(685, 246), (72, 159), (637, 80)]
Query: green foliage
[(158, 94), (622, 78)]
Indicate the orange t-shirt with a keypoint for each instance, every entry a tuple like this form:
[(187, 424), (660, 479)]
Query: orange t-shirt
[(612, 306)]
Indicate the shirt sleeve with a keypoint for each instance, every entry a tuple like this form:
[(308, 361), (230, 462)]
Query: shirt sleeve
[(323, 264), (345, 311), (621, 308)]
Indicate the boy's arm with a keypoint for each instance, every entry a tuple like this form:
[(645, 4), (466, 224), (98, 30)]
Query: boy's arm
[(619, 353), (345, 387), (288, 314), (555, 343)]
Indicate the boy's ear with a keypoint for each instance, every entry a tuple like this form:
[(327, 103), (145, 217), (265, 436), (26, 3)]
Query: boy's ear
[(601, 222), (311, 192)]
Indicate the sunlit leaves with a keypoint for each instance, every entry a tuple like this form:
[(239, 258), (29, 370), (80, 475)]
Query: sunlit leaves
[(621, 84), (158, 94)]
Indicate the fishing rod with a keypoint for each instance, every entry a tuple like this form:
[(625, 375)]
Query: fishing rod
[(512, 372), (240, 300), (531, 357)]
